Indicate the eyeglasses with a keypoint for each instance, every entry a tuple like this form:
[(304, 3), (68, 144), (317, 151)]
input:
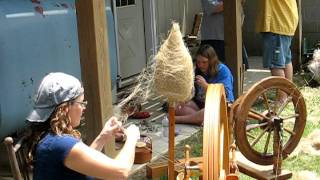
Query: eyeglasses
[(83, 103)]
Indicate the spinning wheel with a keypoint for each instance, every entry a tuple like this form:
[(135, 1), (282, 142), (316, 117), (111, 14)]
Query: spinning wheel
[(215, 134), (269, 122), (265, 125), (215, 160)]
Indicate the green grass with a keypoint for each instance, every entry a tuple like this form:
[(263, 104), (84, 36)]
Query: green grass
[(304, 161), (195, 142)]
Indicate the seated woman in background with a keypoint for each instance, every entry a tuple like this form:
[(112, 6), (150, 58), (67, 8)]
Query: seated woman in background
[(56, 149), (209, 70)]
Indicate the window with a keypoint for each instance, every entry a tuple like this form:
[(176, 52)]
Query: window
[(117, 3), (131, 2), (123, 3)]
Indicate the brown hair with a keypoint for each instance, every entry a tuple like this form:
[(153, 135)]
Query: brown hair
[(208, 52), (58, 123)]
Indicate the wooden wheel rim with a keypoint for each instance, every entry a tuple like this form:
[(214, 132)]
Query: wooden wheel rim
[(244, 107), (232, 113), (215, 133)]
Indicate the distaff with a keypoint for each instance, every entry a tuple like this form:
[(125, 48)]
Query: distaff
[(173, 78)]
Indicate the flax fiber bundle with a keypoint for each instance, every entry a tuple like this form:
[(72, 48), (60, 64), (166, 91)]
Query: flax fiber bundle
[(173, 76), (169, 73)]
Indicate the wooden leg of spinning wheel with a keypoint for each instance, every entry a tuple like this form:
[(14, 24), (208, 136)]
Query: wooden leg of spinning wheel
[(277, 147), (187, 163), (233, 165), (171, 140)]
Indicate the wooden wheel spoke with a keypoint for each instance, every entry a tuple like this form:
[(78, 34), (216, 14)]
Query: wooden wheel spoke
[(254, 119), (250, 136), (258, 116), (259, 137), (285, 103), (267, 143), (253, 126), (290, 117), (289, 131), (266, 101)]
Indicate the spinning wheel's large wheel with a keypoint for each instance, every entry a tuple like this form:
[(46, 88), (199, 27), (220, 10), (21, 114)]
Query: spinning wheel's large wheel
[(215, 134), (259, 109)]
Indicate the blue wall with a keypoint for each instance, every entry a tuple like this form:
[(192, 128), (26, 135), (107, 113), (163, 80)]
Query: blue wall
[(36, 39)]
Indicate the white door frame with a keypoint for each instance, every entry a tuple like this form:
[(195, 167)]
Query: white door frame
[(115, 16), (150, 33), (150, 26)]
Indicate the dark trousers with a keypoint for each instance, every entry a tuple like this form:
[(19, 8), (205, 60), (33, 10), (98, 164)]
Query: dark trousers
[(245, 57)]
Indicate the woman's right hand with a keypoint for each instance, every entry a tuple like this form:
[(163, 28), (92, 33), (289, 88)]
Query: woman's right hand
[(111, 127), (201, 81), (133, 132)]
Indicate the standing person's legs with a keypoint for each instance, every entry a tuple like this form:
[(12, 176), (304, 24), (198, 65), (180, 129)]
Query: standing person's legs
[(277, 57), (286, 42), (284, 57), (218, 46), (277, 54), (277, 72), (288, 71), (271, 54)]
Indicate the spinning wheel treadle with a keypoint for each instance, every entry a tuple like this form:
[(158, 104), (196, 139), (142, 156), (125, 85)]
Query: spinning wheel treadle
[(257, 114)]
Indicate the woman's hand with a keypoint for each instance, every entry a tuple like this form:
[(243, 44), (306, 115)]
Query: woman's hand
[(201, 82), (111, 127)]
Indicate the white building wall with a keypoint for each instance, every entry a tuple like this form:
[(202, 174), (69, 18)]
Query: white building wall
[(181, 11)]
